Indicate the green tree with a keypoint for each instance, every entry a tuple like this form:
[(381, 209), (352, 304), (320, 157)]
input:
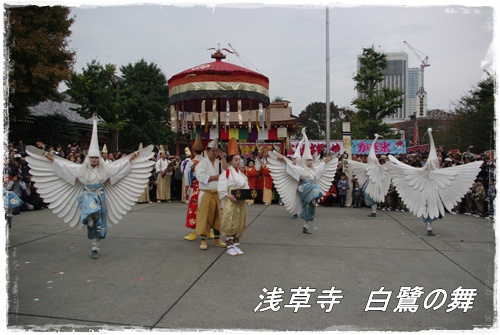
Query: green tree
[(134, 105), (98, 90), (474, 119), (145, 105), (347, 115), (314, 119), (374, 104), (38, 55)]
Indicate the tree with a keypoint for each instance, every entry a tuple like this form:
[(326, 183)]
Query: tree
[(474, 121), (38, 56), (145, 105), (314, 119), (134, 105), (97, 90), (374, 104), (357, 129)]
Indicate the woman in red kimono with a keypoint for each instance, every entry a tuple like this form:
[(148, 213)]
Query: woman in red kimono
[(267, 185), (251, 173), (192, 182)]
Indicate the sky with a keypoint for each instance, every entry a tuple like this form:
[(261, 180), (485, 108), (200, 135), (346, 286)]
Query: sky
[(287, 43)]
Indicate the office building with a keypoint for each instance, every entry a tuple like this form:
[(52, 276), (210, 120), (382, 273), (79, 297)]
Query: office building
[(396, 77)]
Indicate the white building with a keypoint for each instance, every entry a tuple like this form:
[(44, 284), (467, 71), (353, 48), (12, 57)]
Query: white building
[(416, 101), (414, 83), (397, 75)]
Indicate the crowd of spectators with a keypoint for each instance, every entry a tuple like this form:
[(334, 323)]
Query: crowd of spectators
[(478, 201)]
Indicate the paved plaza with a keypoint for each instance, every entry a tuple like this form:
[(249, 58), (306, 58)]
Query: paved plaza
[(354, 273)]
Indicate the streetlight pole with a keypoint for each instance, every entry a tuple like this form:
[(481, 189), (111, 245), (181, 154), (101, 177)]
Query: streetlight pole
[(327, 151)]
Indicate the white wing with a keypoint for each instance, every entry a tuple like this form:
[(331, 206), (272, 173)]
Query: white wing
[(427, 192), (377, 176), (285, 184), (359, 170), (324, 181), (57, 192), (122, 195)]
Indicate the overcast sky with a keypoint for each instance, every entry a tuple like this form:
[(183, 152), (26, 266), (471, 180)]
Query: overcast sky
[(288, 43)]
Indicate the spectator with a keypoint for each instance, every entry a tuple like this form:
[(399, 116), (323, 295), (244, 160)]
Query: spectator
[(32, 197), (478, 199), (24, 168), (15, 166), (164, 169), (18, 186), (176, 178), (40, 145), (21, 147), (391, 198), (152, 187), (468, 200), (60, 151), (357, 195), (490, 198), (342, 186), (469, 154), (73, 147)]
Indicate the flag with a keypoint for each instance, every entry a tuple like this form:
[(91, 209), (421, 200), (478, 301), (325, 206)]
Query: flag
[(416, 140)]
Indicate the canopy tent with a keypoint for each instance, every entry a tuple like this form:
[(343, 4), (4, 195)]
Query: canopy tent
[(222, 100), (244, 89)]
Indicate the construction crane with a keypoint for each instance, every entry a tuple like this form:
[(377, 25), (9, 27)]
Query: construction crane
[(425, 63)]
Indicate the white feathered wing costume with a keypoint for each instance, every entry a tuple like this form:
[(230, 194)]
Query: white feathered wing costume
[(428, 190), (61, 193), (376, 174), (287, 184)]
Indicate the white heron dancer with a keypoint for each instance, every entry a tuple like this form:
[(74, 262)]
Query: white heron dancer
[(300, 186), (429, 190), (373, 176), (92, 193)]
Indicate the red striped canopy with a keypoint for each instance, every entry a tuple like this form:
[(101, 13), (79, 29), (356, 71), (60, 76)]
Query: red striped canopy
[(219, 81)]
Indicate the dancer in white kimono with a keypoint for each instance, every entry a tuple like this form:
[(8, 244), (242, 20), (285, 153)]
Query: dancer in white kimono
[(94, 192), (301, 186), (234, 216)]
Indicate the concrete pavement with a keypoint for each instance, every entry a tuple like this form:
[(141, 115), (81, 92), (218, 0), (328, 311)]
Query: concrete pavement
[(149, 278)]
